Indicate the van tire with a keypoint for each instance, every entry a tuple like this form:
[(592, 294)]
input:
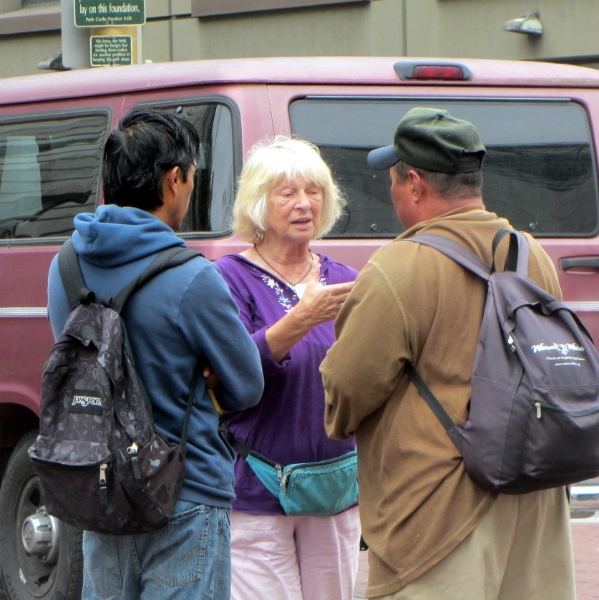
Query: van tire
[(28, 577)]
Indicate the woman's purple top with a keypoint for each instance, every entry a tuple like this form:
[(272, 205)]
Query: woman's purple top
[(287, 425)]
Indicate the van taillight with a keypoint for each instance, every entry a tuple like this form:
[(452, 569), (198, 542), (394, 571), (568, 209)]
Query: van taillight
[(430, 71)]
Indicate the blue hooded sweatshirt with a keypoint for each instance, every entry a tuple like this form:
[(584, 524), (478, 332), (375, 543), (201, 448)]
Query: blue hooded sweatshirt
[(182, 314)]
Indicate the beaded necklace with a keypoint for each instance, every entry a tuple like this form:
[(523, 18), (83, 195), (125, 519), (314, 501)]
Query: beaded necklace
[(281, 274)]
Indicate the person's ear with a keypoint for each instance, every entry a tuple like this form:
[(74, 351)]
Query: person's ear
[(415, 182), (171, 180)]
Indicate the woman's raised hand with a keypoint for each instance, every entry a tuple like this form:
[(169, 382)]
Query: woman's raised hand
[(319, 303)]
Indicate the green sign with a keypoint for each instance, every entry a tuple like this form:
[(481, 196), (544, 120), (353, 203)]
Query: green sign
[(99, 13), (110, 50)]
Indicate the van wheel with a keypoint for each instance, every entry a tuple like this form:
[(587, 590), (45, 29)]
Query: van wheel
[(41, 558)]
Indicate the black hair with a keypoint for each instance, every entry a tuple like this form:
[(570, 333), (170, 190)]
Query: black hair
[(144, 146)]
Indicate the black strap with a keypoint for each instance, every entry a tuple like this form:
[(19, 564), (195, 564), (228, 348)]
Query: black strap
[(166, 259), (511, 260), (72, 278), (78, 293), (238, 444), (190, 399), (243, 450), (517, 254), (429, 397)]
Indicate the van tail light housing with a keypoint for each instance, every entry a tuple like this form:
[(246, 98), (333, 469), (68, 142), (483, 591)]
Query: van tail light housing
[(420, 71)]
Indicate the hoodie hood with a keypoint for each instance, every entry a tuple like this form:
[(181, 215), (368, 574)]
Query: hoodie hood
[(114, 236)]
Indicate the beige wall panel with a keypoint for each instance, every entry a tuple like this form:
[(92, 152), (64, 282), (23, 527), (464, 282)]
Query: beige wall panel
[(10, 5), (427, 28), (21, 54), (156, 41), (164, 8), (385, 28), (176, 39), (474, 28), (349, 30), (157, 8), (462, 28), (187, 40), (570, 27)]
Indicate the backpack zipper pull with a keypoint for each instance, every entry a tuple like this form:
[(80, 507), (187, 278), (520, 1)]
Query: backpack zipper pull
[(511, 343), (538, 407), (103, 487), (132, 451)]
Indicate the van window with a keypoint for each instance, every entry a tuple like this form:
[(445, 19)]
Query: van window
[(214, 189), (48, 173), (539, 171)]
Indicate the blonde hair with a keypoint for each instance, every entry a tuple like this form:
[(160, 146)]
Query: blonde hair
[(266, 163)]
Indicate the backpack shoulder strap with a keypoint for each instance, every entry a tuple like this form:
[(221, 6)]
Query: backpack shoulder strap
[(72, 278), (430, 398), (518, 251), (166, 259), (474, 264), (517, 260), (455, 251), (78, 293)]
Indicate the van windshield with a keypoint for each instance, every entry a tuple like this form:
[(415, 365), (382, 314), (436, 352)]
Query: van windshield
[(539, 170)]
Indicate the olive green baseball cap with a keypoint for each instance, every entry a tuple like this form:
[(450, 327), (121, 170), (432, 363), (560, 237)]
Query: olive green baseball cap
[(431, 139)]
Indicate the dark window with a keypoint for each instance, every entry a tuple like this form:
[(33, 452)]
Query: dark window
[(539, 171), (49, 172), (214, 190)]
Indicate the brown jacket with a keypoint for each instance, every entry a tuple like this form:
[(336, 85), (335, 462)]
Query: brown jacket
[(413, 304)]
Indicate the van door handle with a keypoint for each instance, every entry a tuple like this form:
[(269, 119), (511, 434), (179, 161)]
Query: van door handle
[(576, 263)]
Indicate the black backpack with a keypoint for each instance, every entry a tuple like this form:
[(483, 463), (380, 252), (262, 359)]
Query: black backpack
[(534, 409), (101, 464)]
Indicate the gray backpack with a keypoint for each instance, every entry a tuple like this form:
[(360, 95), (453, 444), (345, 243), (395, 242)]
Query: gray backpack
[(534, 410), (101, 464)]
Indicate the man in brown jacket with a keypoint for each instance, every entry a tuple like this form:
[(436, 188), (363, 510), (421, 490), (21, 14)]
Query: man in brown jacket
[(433, 533)]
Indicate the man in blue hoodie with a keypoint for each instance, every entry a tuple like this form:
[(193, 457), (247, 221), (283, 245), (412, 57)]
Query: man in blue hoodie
[(184, 314)]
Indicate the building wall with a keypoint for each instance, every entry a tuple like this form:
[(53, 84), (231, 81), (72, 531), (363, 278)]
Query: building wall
[(183, 30), (474, 28)]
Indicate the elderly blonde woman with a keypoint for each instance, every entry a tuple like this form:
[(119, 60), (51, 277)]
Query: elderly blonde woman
[(288, 297)]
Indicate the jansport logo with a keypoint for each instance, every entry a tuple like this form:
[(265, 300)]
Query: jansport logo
[(86, 402)]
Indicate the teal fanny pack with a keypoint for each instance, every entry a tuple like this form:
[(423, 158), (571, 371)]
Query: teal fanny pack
[(321, 488)]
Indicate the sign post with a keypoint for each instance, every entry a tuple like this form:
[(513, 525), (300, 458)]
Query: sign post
[(74, 40)]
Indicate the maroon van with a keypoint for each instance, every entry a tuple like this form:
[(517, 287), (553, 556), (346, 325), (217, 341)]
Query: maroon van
[(537, 121)]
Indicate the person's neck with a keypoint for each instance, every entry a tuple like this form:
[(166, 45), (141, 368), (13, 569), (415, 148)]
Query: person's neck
[(443, 206), (290, 263), (284, 255)]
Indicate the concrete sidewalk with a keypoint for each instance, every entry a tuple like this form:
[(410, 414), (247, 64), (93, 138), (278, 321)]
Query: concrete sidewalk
[(585, 538)]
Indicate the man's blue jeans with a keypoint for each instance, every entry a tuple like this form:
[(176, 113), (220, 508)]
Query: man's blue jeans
[(190, 559)]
